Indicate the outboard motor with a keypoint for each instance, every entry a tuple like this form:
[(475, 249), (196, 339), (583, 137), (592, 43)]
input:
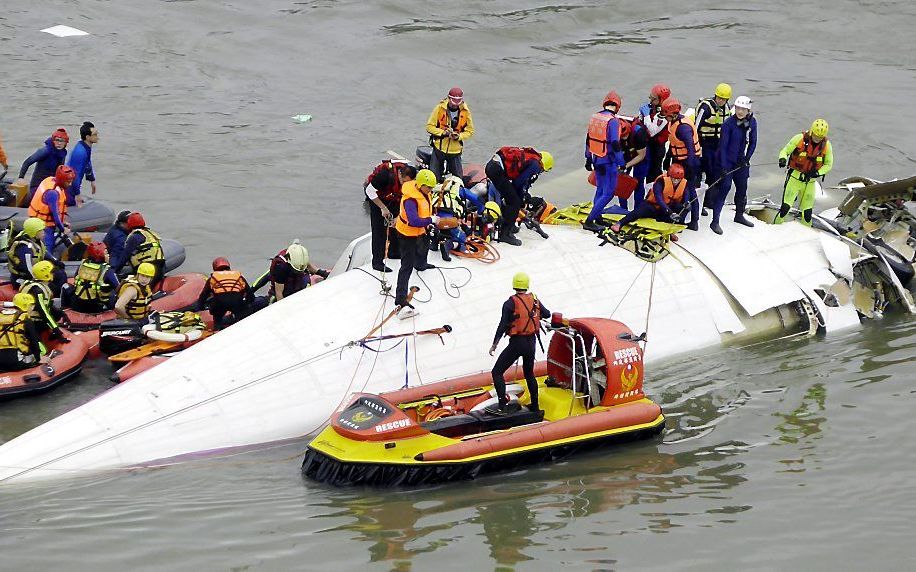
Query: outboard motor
[(116, 336), (424, 154)]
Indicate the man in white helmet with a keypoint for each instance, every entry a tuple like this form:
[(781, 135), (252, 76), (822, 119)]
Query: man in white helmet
[(734, 152), (289, 272)]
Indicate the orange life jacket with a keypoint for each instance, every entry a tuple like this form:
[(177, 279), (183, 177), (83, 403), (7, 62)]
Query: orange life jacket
[(38, 208), (527, 315), (670, 193), (597, 133), (514, 159), (392, 192), (227, 282), (678, 147), (409, 190), (808, 155)]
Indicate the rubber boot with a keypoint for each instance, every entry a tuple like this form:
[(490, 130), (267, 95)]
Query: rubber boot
[(592, 226), (507, 237), (741, 219), (694, 225), (715, 227), (443, 250)]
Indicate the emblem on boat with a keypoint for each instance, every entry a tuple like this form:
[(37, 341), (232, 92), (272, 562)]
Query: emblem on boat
[(361, 416), (628, 377)]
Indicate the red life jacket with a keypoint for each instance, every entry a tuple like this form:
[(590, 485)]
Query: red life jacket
[(670, 193), (526, 315), (597, 133), (808, 155), (392, 192), (514, 159), (226, 282)]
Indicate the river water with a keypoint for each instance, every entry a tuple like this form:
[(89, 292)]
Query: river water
[(787, 454)]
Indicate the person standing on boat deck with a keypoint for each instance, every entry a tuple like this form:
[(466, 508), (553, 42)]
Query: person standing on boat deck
[(449, 126), (635, 141), (49, 203), (46, 160), (604, 154), (684, 146), (652, 118), (116, 237), (711, 114), (513, 170), (808, 155), (226, 292), (80, 160), (20, 344), (383, 191), (664, 203), (520, 320), (415, 216), (736, 147)]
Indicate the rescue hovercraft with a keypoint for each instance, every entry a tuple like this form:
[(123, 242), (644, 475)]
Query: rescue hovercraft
[(592, 395)]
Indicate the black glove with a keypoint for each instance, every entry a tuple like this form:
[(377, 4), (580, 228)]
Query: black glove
[(812, 175), (588, 164), (621, 169), (322, 272), (782, 163)]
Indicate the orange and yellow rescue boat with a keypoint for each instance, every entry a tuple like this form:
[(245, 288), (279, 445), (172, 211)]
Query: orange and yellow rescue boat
[(590, 390)]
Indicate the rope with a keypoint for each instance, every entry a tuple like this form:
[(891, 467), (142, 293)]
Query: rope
[(633, 283), (649, 309)]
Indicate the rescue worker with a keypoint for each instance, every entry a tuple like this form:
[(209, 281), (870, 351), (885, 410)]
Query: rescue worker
[(520, 320), (80, 160), (684, 146), (46, 160), (664, 203), (449, 126), (44, 313), (711, 114), (736, 147), (415, 216), (512, 171), (635, 139), (116, 237), (95, 284), (383, 191), (142, 245), (808, 155), (226, 291), (289, 273), (604, 154), (20, 344), (49, 203), (448, 203), (651, 116), (26, 249), (135, 293), (4, 161)]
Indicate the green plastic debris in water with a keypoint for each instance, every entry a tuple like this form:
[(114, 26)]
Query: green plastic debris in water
[(304, 118)]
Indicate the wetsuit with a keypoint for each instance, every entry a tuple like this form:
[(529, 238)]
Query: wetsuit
[(520, 346), (606, 166), (736, 147)]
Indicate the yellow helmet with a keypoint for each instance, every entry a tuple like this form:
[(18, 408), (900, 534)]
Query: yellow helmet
[(520, 281), (724, 91), (426, 178), (819, 128), (546, 161), (23, 301), (33, 226), (43, 271), (146, 269), (492, 211)]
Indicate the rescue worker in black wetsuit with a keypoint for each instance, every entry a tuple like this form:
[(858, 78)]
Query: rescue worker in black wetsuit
[(521, 318), (226, 292)]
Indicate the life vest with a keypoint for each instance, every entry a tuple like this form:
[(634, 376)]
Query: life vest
[(526, 315), (12, 331), (446, 199), (227, 282), (808, 155), (515, 158), (37, 289), (392, 192), (409, 191), (138, 308), (710, 129), (443, 142), (597, 133), (670, 193), (150, 250), (89, 282), (678, 147), (14, 263), (38, 208)]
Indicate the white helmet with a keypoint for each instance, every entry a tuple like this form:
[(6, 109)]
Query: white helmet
[(744, 101), (298, 256)]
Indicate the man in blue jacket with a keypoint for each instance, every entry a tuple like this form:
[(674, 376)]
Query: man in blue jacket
[(46, 160), (604, 154), (116, 237), (736, 147), (80, 161)]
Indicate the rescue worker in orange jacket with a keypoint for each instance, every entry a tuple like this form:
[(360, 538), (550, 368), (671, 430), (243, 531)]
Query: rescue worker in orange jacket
[(604, 154), (685, 150), (383, 192), (49, 203), (226, 292), (449, 126), (415, 216), (521, 321), (807, 156), (664, 203)]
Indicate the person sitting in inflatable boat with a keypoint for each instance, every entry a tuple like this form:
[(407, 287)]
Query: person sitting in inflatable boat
[(20, 344), (135, 294)]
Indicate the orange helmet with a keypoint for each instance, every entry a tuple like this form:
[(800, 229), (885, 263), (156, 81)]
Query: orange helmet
[(96, 251), (625, 129), (676, 171), (612, 97), (220, 263), (135, 220), (671, 106), (661, 91), (64, 175)]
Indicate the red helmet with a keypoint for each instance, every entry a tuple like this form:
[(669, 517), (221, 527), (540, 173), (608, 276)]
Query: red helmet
[(96, 251), (61, 133), (625, 129), (675, 171), (661, 91), (612, 97), (671, 106), (456, 95), (64, 175), (135, 220), (221, 263)]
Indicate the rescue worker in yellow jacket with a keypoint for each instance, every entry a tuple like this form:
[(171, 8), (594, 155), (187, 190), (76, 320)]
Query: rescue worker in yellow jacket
[(226, 292), (415, 216), (449, 126), (26, 249), (711, 114), (44, 314), (142, 245), (807, 156), (95, 284), (20, 344), (135, 293)]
